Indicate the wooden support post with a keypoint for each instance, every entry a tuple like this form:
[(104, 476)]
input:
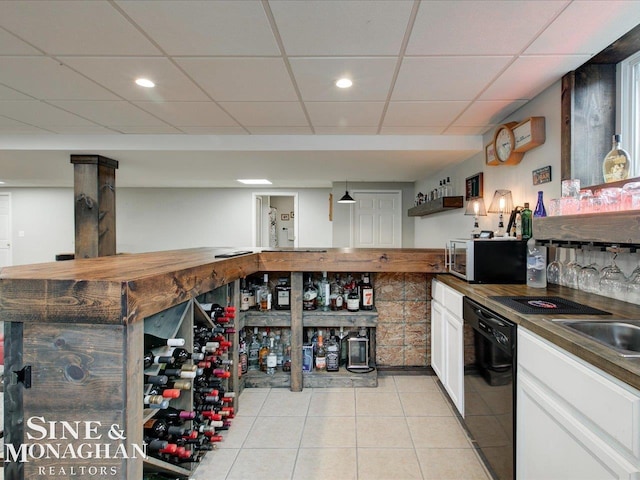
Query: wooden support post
[(296, 331), (95, 205)]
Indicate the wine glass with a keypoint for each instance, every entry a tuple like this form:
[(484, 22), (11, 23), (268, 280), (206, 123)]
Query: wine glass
[(589, 276), (614, 283), (571, 271), (554, 269)]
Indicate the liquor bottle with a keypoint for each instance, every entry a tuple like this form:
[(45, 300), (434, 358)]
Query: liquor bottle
[(615, 165), (366, 293), (264, 351), (254, 351), (272, 357), (527, 226), (324, 293), (283, 294), (540, 211), (279, 351), (265, 294), (353, 300), (517, 226), (286, 353), (244, 296), (151, 341), (321, 354), (333, 353), (450, 187), (344, 349), (335, 299), (243, 358), (309, 296)]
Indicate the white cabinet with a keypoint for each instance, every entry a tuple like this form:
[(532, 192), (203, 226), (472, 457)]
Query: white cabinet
[(447, 341), (573, 420)]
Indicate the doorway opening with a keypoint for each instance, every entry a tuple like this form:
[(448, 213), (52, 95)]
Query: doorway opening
[(5, 230), (275, 219)]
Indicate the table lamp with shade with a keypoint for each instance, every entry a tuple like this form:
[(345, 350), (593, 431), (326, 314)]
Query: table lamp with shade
[(475, 207), (502, 203)]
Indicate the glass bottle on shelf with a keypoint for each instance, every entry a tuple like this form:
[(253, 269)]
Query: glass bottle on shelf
[(283, 294), (366, 293), (264, 294), (335, 299), (540, 211), (525, 218), (615, 165), (243, 357), (286, 352), (353, 300), (272, 357), (324, 293), (244, 295), (333, 353), (321, 354), (310, 295)]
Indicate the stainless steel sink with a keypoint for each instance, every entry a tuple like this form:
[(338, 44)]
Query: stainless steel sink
[(621, 335)]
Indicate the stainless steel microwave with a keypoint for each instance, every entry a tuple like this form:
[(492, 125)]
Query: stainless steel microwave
[(496, 260)]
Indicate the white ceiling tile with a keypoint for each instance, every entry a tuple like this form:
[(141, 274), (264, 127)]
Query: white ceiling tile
[(205, 27), (411, 130), (266, 114), (587, 27), (530, 75), (344, 114), (82, 130), (151, 130), (214, 130), (7, 93), (355, 27), (9, 125), (279, 130), (470, 130), (316, 78), (492, 27), (241, 79), (41, 114), (194, 114), (446, 78), (488, 112), (12, 45), (46, 79), (118, 74), (71, 27), (348, 130), (110, 113), (422, 114)]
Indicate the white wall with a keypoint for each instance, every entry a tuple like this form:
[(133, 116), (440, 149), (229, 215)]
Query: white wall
[(433, 231), (151, 219)]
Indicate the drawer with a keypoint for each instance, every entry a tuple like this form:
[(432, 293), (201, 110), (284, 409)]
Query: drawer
[(453, 301), (600, 402)]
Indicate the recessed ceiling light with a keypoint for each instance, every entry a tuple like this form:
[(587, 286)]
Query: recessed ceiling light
[(145, 82), (254, 181), (344, 83), (1, 182)]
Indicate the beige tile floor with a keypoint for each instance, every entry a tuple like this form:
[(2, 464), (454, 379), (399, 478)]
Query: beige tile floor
[(403, 429)]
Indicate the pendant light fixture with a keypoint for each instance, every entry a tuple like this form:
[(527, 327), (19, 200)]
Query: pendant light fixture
[(346, 198)]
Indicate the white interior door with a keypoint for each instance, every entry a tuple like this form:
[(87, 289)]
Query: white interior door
[(5, 230), (377, 219)]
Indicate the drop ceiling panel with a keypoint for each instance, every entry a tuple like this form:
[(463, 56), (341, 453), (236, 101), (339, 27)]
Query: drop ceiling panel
[(118, 74), (279, 130), (266, 114), (344, 114), (12, 45), (422, 114), (586, 25), (411, 130), (530, 75), (141, 130), (41, 114), (213, 130), (479, 28), (241, 79), (81, 130), (196, 114), (470, 130), (72, 27), (13, 126), (446, 78), (7, 93), (346, 130), (44, 78), (205, 27), (487, 112), (341, 28), (316, 78), (110, 113)]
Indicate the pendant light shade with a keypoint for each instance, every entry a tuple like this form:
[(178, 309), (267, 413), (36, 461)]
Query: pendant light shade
[(346, 198)]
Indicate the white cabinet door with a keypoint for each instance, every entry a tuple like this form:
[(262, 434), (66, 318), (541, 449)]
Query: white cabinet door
[(584, 424), (454, 359), (437, 340)]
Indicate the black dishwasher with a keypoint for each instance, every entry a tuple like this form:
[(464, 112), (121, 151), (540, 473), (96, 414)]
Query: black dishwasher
[(489, 389)]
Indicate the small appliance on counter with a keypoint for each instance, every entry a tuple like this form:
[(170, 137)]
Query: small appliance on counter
[(492, 260)]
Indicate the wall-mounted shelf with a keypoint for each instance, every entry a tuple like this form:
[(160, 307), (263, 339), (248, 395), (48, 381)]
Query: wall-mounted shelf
[(441, 204), (609, 228)]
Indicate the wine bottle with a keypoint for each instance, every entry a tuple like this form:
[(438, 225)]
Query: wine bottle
[(176, 416), (151, 359), (152, 341), (156, 379), (366, 293), (615, 166), (525, 218)]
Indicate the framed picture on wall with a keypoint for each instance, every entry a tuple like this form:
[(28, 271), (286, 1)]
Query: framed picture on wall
[(474, 186), (284, 217)]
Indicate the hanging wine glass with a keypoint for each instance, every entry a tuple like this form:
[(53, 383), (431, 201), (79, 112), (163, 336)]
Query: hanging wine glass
[(614, 283), (589, 276), (571, 271), (554, 269)]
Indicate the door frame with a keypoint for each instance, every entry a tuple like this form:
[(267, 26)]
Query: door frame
[(254, 213), (352, 212), (9, 232)]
